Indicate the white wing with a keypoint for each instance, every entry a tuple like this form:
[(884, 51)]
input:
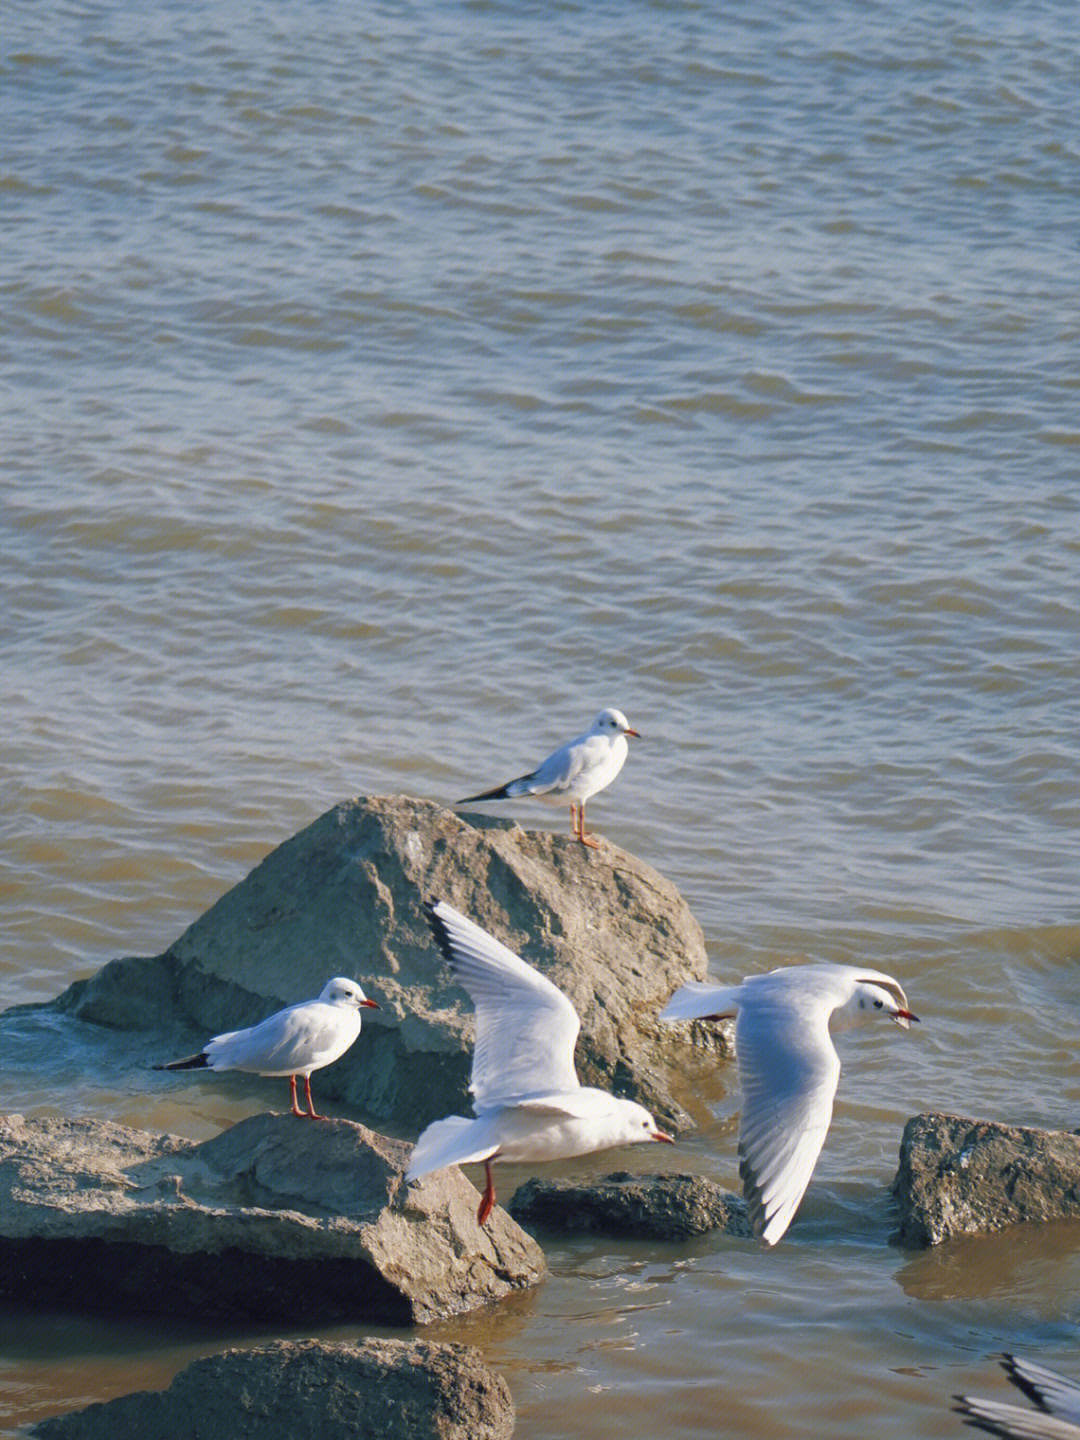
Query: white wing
[(526, 1029), (309, 1034), (788, 1072), (560, 769)]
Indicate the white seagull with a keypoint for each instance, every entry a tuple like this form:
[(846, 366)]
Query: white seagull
[(1058, 1399), (292, 1042), (528, 1100), (788, 1068), (580, 769)]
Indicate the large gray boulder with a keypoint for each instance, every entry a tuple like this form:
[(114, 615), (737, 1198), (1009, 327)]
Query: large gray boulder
[(310, 1390), (965, 1177), (275, 1218), (345, 897), (646, 1207)]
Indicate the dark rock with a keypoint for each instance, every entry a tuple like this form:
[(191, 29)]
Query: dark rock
[(345, 897), (275, 1218), (653, 1207), (965, 1177), (309, 1390)]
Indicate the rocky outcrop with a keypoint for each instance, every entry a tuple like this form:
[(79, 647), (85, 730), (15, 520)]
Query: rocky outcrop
[(345, 897), (309, 1390), (275, 1218), (650, 1207), (965, 1177)]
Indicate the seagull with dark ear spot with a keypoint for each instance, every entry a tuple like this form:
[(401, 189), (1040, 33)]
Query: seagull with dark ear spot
[(788, 1068), (292, 1042), (571, 774)]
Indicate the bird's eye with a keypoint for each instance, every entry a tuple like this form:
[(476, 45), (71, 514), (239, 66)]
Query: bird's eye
[(877, 1004)]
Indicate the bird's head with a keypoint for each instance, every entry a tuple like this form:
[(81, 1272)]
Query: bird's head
[(612, 722), (635, 1125), (341, 991), (872, 1001)]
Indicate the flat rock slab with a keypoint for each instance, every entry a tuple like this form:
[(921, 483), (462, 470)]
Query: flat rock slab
[(276, 1218), (966, 1177), (345, 897), (651, 1207), (308, 1390)]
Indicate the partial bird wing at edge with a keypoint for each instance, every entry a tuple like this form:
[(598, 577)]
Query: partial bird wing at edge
[(1049, 1390), (526, 1028), (1013, 1423)]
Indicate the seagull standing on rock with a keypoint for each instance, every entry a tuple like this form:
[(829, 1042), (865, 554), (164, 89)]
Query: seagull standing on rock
[(788, 1068), (528, 1100), (292, 1042), (578, 770)]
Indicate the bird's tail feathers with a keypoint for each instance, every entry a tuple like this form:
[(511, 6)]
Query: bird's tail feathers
[(192, 1062), (699, 1000), (522, 786), (501, 792), (447, 1142)]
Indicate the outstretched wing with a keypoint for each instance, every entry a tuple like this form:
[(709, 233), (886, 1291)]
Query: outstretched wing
[(526, 1029), (788, 1073)]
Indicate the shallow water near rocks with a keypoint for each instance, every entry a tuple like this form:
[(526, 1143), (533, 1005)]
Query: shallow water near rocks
[(383, 394)]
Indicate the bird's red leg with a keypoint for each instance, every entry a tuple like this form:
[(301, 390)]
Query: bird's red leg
[(585, 839), (292, 1091), (487, 1202), (573, 818), (313, 1114)]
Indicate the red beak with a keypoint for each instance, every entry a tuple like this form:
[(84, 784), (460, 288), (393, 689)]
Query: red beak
[(370, 1005), (659, 1135), (635, 733)]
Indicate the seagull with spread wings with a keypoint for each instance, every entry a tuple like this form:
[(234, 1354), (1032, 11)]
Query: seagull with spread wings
[(528, 1100), (788, 1068)]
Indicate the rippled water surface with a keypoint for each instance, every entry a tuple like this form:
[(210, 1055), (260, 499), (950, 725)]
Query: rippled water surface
[(387, 388)]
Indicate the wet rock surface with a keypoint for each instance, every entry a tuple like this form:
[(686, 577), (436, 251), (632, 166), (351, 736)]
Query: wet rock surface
[(654, 1207), (275, 1218), (308, 1390), (345, 896), (964, 1177)]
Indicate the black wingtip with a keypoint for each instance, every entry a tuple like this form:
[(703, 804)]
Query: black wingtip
[(191, 1062), (438, 929), (501, 792)]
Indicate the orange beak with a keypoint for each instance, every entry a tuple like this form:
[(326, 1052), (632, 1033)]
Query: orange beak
[(635, 733), (659, 1135)]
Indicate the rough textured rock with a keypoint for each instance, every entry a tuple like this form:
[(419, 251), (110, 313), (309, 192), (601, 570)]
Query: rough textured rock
[(308, 1390), (345, 897), (275, 1218), (653, 1207), (964, 1177)]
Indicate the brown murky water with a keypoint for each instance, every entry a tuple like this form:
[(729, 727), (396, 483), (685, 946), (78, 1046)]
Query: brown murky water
[(382, 395)]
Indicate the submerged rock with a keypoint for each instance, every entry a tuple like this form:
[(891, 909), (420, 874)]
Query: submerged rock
[(965, 1177), (345, 897), (651, 1207), (311, 1390), (275, 1218)]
